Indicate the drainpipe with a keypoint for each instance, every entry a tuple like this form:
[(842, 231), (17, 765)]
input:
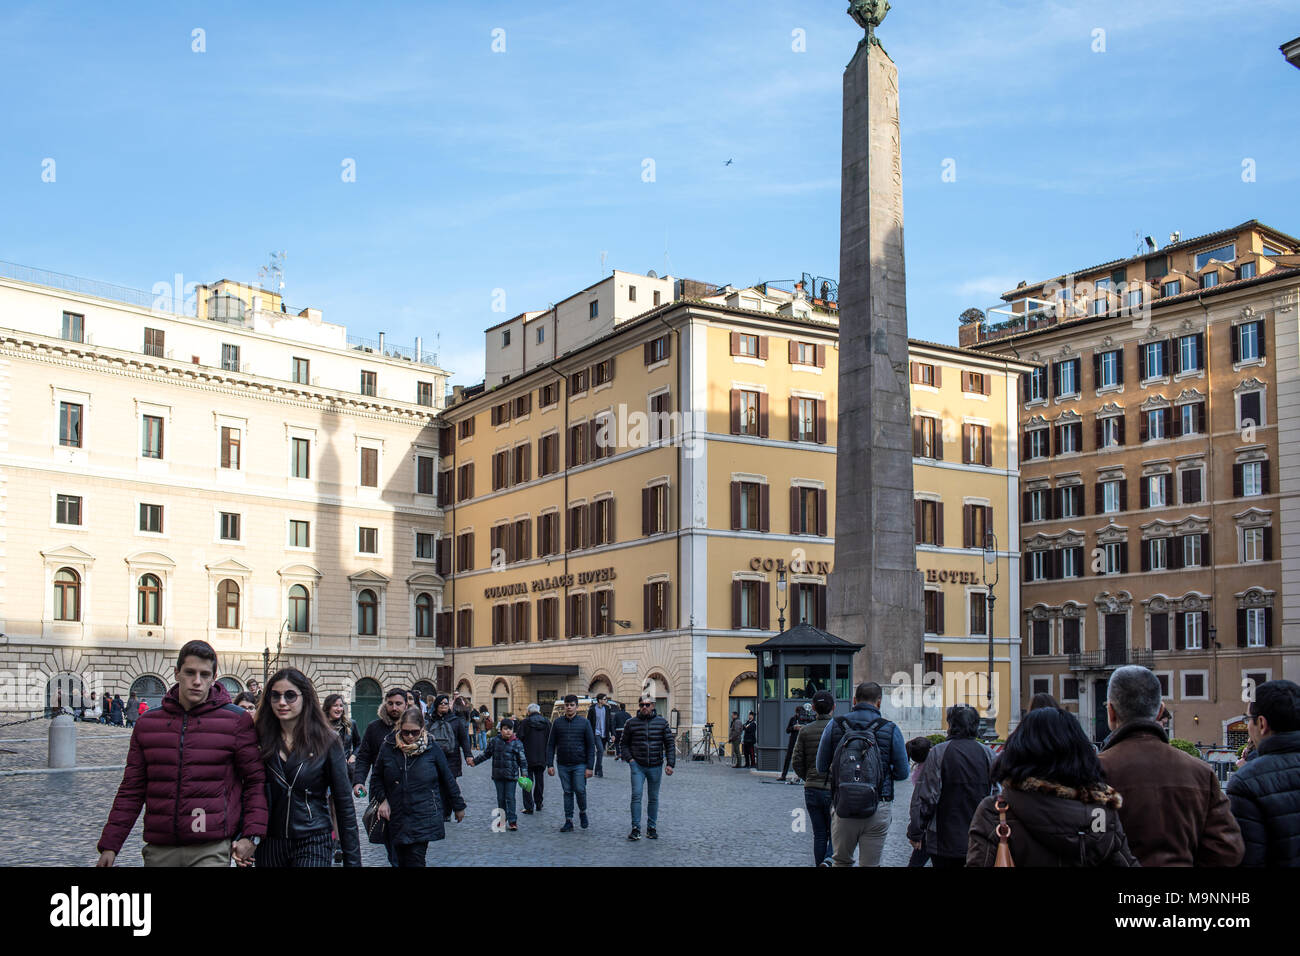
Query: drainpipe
[(677, 334), (1209, 496)]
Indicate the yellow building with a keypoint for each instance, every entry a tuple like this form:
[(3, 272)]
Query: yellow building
[(624, 513)]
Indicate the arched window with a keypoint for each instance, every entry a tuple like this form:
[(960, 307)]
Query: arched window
[(149, 600), (149, 689), (299, 609), (228, 604), (367, 613), (67, 595), (424, 616)]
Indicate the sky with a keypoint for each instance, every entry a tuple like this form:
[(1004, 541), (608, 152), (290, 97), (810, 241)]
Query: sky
[(411, 159)]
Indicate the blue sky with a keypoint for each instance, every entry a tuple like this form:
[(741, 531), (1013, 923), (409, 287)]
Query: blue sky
[(478, 170)]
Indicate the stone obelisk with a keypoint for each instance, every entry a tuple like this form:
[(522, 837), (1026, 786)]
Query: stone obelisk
[(875, 590)]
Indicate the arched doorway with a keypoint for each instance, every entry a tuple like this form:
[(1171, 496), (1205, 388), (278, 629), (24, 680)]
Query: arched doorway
[(423, 689), (742, 698), (659, 687), (366, 697), (600, 684), (66, 692), (151, 690), (500, 699), (231, 685)]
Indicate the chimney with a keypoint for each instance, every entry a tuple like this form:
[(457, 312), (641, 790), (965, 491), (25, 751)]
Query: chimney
[(381, 343), (418, 349)]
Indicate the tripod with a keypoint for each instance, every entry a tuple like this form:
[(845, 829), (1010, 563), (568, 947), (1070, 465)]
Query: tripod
[(707, 747)]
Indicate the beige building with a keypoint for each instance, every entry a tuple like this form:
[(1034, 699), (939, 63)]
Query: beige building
[(251, 477), (1157, 432)]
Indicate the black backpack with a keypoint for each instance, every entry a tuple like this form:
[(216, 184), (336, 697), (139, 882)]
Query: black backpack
[(444, 735), (857, 770)]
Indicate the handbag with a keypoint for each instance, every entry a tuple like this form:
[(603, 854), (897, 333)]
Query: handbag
[(1003, 831), (376, 828)]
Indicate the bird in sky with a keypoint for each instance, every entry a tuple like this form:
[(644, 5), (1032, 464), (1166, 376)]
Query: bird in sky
[(728, 162)]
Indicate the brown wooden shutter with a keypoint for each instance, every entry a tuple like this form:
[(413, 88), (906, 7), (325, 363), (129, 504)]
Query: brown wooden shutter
[(647, 352), (918, 443), (588, 521), (794, 419), (735, 506), (965, 443), (823, 524), (735, 343), (794, 351), (918, 513), (765, 605), (668, 346), (735, 411), (986, 446), (916, 373), (762, 346), (764, 516), (762, 414), (821, 422), (735, 605), (938, 523), (645, 606), (819, 352), (967, 526), (645, 510), (794, 510), (938, 612)]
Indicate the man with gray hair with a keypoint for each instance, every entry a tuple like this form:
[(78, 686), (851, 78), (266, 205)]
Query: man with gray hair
[(534, 731), (1174, 812)]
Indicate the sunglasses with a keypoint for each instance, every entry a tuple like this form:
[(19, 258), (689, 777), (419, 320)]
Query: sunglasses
[(409, 733), (289, 696)]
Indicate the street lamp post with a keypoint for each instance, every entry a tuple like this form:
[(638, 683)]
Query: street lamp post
[(782, 600), (990, 560)]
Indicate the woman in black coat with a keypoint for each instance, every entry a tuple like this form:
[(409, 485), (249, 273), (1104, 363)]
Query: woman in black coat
[(413, 783)]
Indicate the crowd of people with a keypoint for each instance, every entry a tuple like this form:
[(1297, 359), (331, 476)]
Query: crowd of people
[(268, 779)]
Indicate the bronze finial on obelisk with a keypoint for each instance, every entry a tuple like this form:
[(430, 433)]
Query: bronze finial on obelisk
[(868, 14)]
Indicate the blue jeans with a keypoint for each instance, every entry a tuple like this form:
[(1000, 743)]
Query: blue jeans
[(506, 798), (818, 803), (480, 739), (573, 779), (651, 777)]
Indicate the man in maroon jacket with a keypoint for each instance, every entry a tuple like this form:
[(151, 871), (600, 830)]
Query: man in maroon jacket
[(194, 766)]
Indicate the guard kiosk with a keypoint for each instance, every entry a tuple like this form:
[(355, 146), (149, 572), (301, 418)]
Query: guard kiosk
[(792, 667)]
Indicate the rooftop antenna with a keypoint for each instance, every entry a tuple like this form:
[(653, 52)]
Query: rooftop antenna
[(1137, 237), (274, 271), (603, 256)]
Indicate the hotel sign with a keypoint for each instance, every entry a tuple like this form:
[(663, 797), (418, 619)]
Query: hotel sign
[(596, 576), (935, 576), (794, 567)]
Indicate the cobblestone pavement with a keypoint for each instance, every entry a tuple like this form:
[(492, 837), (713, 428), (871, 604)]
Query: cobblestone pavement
[(26, 746), (709, 815)]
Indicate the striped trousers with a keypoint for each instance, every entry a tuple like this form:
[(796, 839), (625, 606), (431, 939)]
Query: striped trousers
[(315, 849)]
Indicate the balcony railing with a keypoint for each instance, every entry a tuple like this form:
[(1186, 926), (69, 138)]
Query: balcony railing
[(393, 351), (1115, 657)]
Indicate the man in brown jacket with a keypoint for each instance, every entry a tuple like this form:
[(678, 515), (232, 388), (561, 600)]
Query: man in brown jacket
[(1174, 812), (816, 786)]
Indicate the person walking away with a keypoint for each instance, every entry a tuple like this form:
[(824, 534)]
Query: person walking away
[(816, 786), (117, 718), (304, 762), (621, 717), (377, 731), (194, 758), (571, 751), (480, 738), (862, 776), (800, 717), (413, 784), (734, 734), (132, 710), (749, 737), (954, 780), (509, 763), (647, 743), (1174, 812), (918, 748), (534, 731), (602, 725), (1265, 793), (450, 734), (1058, 808)]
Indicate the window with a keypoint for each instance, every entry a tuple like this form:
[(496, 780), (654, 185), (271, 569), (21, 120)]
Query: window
[(69, 424), (750, 495), (747, 345), (1193, 685), (1040, 685), (425, 545), (369, 381), (1250, 409), (370, 468), (368, 540), (548, 395), (548, 615), (602, 613), (929, 522), (1209, 280), (1108, 369), (67, 509), (1253, 544), (1153, 360), (1039, 569), (1037, 502), (151, 445), (1190, 353), (465, 429), (975, 383), (654, 509), (657, 295), (149, 600), (1157, 554), (1110, 497), (593, 308), (230, 448), (1171, 288), (1072, 562), (465, 551), (464, 626), (807, 510), (1036, 443), (1252, 483), (1157, 489), (1156, 419), (229, 526), (578, 382), (1248, 342), (604, 436), (657, 350), (1256, 627), (1069, 438), (927, 436), (1110, 432), (1101, 303), (153, 342), (302, 371), (424, 482), (1192, 556), (67, 595), (934, 612), (548, 534), (505, 338), (367, 613), (74, 327), (976, 448), (465, 482), (300, 465), (806, 420), (1246, 270), (923, 373), (423, 616), (661, 425), (1223, 254), (1191, 418), (1115, 558), (1067, 377), (228, 605), (300, 534), (1164, 685), (151, 518), (602, 521), (978, 613), (1190, 480), (749, 402), (602, 372), (1036, 385), (1192, 631), (541, 334), (230, 357), (1071, 501), (805, 353), (1134, 299), (1069, 688), (424, 393), (656, 608)]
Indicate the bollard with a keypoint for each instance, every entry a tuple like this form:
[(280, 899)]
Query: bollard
[(63, 742)]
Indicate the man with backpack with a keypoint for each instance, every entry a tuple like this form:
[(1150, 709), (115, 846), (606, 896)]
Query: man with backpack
[(862, 754)]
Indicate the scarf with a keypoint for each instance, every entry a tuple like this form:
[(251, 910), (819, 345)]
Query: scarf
[(416, 747)]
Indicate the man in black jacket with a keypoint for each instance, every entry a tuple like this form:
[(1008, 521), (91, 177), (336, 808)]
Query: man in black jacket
[(601, 718), (749, 738), (572, 749), (534, 731), (801, 716), (647, 743), (390, 712), (1265, 793), (621, 717)]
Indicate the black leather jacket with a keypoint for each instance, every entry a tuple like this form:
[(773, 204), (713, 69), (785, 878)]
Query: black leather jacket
[(296, 798)]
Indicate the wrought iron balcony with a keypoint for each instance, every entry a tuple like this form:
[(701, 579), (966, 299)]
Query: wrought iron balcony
[(1105, 660)]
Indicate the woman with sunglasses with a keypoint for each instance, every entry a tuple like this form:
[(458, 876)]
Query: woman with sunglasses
[(304, 761), (413, 784)]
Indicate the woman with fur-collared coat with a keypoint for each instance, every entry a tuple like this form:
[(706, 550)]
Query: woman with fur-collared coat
[(1061, 812)]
